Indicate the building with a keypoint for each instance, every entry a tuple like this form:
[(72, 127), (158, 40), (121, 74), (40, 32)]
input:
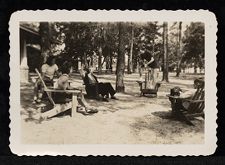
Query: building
[(30, 56)]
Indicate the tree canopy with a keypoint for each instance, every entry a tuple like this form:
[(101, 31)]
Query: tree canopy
[(97, 44)]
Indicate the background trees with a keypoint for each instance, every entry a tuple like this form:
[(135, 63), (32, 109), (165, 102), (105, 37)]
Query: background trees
[(165, 52), (117, 46), (194, 43), (120, 67)]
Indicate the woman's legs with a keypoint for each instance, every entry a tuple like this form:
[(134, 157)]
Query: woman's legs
[(81, 100), (38, 91), (153, 77), (141, 69)]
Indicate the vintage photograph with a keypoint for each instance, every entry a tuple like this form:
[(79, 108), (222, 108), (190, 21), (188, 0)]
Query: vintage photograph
[(112, 82)]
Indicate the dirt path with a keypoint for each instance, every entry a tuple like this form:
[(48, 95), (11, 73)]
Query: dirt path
[(130, 120)]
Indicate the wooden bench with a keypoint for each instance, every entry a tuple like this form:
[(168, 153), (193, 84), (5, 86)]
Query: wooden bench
[(196, 104)]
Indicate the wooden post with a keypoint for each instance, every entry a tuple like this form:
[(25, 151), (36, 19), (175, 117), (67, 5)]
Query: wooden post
[(24, 69), (74, 104)]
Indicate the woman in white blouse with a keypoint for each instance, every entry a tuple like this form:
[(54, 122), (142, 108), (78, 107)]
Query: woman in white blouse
[(48, 70)]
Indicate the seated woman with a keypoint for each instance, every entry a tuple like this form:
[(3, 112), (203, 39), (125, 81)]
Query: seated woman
[(48, 70), (63, 83), (97, 88)]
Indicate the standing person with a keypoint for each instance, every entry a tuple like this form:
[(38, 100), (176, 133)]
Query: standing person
[(141, 62), (152, 64), (48, 70), (141, 66)]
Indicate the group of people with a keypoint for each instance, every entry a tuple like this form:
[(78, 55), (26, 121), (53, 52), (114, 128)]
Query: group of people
[(50, 69), (94, 88)]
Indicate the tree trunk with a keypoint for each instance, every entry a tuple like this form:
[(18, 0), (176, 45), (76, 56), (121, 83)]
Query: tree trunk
[(120, 68), (85, 60), (165, 54), (179, 50), (45, 40), (135, 63), (92, 63), (75, 66), (100, 60), (111, 63), (108, 64), (195, 68), (130, 57)]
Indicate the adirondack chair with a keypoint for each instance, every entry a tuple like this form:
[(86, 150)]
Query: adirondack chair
[(144, 88), (196, 104), (58, 108), (90, 89)]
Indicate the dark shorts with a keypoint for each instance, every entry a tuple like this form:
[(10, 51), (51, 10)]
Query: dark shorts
[(47, 81), (153, 65)]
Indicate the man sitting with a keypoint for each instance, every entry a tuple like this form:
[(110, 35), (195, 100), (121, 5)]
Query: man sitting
[(176, 91), (95, 88)]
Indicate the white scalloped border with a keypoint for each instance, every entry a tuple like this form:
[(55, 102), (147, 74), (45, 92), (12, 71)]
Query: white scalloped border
[(205, 16)]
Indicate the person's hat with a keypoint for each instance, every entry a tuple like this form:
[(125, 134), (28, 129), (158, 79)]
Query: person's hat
[(175, 91)]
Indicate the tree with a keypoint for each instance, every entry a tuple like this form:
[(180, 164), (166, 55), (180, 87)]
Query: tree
[(147, 34), (194, 41), (78, 40), (165, 52), (44, 31), (120, 60), (174, 56), (179, 50), (130, 56)]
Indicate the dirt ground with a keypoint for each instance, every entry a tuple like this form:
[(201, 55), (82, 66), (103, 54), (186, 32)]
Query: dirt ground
[(130, 120)]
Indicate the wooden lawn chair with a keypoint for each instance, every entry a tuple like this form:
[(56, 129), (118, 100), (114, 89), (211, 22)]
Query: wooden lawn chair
[(58, 108), (195, 108), (90, 89), (144, 89)]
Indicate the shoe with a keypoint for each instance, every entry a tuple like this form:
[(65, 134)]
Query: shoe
[(105, 100), (98, 98), (113, 97), (91, 110), (82, 110), (37, 101)]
